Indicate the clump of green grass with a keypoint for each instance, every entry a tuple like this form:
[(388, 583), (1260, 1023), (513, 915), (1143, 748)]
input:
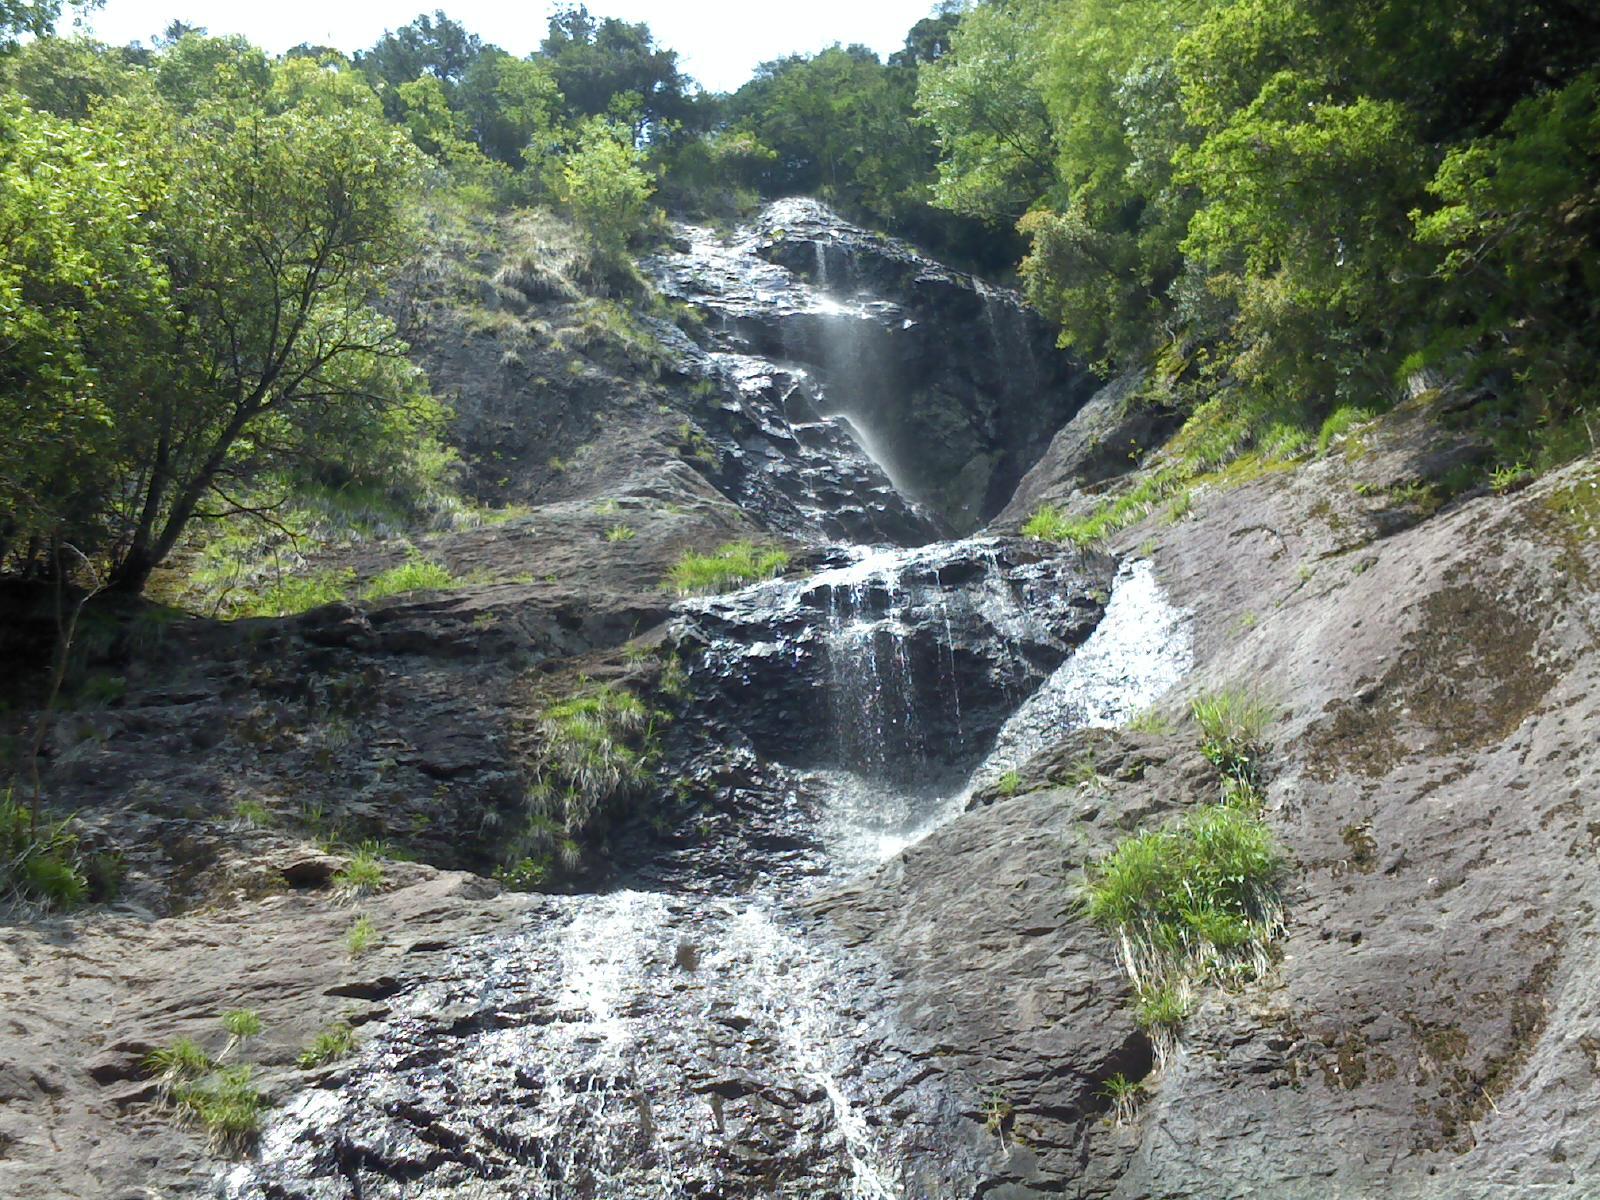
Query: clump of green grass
[(361, 875), (620, 533), (1049, 524), (294, 594), (181, 1062), (362, 937), (227, 1105), (1163, 1007), (416, 574), (732, 565), (1340, 422), (595, 747), (1197, 899), (252, 814), (1233, 725), (332, 1044), (242, 1024), (40, 864), (1008, 783), (1124, 1094)]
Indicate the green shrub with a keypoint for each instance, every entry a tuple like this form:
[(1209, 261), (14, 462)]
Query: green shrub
[(732, 565), (335, 1042), (361, 875), (1233, 725), (362, 937), (416, 574), (39, 866), (227, 1105), (1195, 897)]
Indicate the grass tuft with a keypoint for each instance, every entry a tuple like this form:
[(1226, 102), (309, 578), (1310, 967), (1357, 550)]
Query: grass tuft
[(416, 574), (361, 875), (1233, 725), (362, 937), (180, 1062), (332, 1044), (42, 865), (732, 565), (227, 1105)]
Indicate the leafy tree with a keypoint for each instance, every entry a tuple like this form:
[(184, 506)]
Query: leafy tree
[(188, 306), (435, 46), (508, 103), (595, 61), (1518, 222), (985, 101), (602, 183), (65, 76), (79, 288)]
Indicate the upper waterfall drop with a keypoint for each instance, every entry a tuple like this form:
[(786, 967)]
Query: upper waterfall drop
[(947, 383)]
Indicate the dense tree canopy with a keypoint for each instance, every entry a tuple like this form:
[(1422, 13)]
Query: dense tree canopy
[(1321, 196), (187, 307), (1290, 205)]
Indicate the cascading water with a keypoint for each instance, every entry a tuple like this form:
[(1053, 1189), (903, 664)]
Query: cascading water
[(690, 1036)]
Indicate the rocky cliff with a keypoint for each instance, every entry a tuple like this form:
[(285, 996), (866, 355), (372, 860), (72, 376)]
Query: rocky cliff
[(834, 943)]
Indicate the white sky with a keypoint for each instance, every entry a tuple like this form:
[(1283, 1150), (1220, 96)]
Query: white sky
[(719, 42)]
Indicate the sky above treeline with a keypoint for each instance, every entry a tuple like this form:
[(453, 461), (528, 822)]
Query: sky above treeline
[(719, 42)]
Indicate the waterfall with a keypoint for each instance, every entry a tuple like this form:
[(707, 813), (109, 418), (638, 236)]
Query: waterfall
[(687, 1037)]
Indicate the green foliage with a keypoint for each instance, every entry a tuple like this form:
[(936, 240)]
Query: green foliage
[(1008, 783), (1340, 422), (361, 875), (242, 1023), (181, 1062), (227, 1105), (1124, 1095), (602, 183), (332, 1044), (294, 594), (596, 748), (1163, 1008), (1151, 720), (1311, 200), (361, 937), (416, 574), (187, 299), (1191, 896), (732, 565), (1233, 725), (39, 865), (620, 533)]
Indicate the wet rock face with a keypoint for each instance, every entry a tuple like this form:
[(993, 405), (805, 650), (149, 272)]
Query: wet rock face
[(899, 666), (761, 439), (952, 386)]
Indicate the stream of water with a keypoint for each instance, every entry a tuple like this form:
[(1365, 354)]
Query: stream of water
[(663, 1044)]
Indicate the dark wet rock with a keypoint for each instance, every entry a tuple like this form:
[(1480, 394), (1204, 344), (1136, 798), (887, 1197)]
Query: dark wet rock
[(899, 666), (1014, 1007), (954, 386)]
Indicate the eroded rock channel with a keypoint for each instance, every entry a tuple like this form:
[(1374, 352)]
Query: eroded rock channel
[(724, 1023)]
